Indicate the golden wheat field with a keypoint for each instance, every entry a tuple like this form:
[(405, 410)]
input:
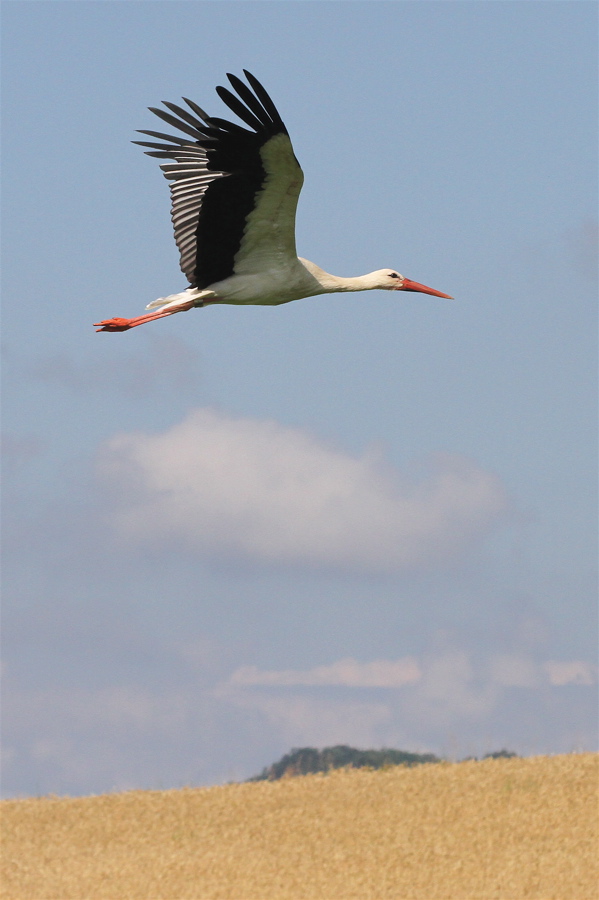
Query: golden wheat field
[(500, 828)]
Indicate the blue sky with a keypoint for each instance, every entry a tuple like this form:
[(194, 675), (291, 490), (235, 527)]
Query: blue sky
[(364, 519)]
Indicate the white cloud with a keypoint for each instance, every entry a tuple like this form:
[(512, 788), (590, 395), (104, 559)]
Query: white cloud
[(575, 672), (511, 670), (438, 691), (220, 486), (385, 673)]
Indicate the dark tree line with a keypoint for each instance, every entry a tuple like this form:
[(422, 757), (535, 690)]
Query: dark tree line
[(308, 760)]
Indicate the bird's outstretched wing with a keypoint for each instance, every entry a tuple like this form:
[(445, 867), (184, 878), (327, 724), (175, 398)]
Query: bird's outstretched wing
[(234, 191)]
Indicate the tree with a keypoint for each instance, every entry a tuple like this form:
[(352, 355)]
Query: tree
[(307, 760)]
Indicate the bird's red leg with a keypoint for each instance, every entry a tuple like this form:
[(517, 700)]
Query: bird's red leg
[(118, 324)]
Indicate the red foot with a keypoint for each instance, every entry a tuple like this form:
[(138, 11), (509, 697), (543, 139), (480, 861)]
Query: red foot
[(115, 324), (118, 324)]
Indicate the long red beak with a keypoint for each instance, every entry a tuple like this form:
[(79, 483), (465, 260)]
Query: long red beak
[(421, 288)]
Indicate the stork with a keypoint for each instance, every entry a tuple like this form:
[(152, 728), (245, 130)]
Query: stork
[(234, 194)]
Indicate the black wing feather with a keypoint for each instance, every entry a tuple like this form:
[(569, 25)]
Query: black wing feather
[(250, 100), (172, 120), (216, 177), (197, 109), (186, 116), (236, 106)]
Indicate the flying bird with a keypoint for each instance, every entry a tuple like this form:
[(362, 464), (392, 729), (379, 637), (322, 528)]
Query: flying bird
[(234, 194)]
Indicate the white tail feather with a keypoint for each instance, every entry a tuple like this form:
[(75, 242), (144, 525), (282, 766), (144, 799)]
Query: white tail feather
[(192, 296), (173, 299)]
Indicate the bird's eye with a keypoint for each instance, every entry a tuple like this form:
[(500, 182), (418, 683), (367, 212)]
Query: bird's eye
[(393, 275)]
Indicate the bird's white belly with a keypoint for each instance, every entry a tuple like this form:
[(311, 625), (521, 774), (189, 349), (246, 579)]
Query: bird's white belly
[(269, 288)]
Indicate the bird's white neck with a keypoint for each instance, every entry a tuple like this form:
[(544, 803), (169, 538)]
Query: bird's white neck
[(334, 283), (358, 283)]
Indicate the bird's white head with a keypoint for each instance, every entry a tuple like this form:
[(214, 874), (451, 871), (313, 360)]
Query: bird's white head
[(391, 280)]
